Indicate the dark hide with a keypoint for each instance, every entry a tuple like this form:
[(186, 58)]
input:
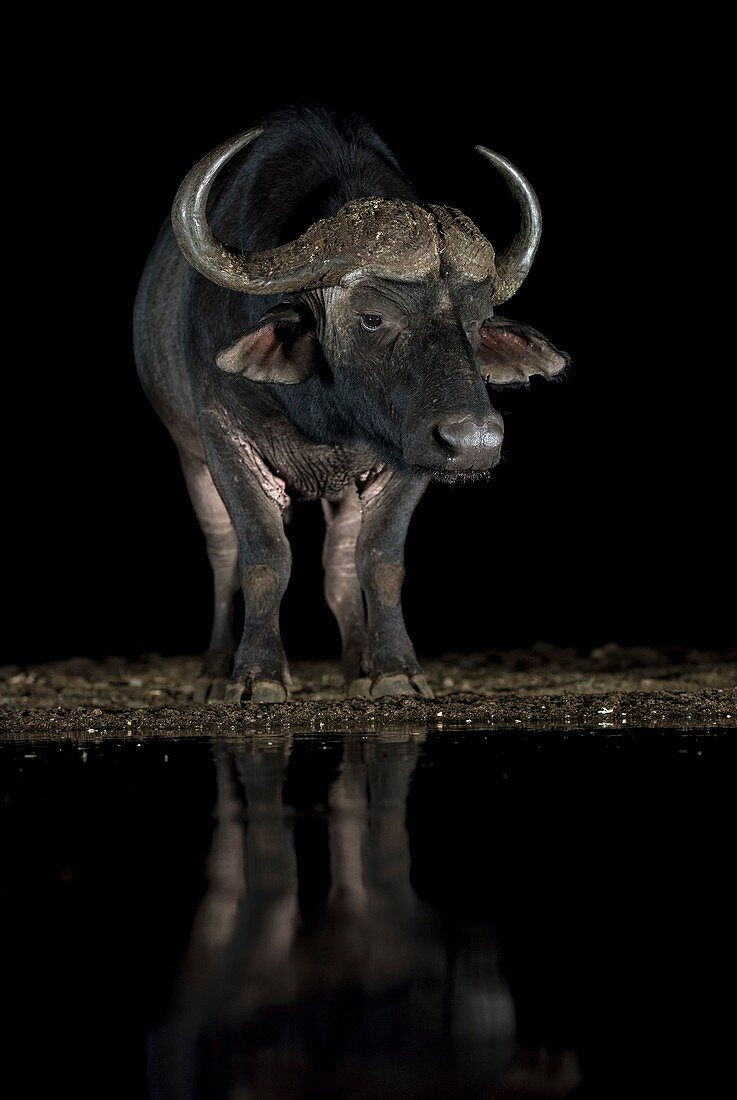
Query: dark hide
[(305, 397)]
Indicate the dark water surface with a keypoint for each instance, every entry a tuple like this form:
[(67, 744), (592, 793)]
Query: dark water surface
[(406, 913)]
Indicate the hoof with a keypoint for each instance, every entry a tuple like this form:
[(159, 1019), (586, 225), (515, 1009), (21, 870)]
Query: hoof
[(209, 689), (359, 688), (234, 691), (401, 684), (392, 685), (201, 689), (421, 685), (217, 690), (262, 691), (268, 691)]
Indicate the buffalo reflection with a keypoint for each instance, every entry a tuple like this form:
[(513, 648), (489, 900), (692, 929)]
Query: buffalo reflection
[(313, 968)]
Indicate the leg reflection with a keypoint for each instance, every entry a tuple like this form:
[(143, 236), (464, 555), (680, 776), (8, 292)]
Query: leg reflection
[(353, 988)]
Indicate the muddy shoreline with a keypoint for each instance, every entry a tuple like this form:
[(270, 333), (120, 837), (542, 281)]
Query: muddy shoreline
[(542, 688)]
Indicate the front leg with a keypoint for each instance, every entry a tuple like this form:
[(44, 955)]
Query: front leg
[(255, 500), (388, 503), (342, 589)]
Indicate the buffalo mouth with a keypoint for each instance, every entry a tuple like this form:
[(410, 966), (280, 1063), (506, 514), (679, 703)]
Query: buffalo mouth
[(454, 470), (444, 475), (457, 477)]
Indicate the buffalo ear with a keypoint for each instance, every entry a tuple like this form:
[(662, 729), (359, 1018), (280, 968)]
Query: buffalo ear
[(281, 347), (510, 352)]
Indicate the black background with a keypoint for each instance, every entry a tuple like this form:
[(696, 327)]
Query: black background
[(610, 517)]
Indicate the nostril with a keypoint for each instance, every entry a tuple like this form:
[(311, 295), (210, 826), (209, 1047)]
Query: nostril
[(446, 437)]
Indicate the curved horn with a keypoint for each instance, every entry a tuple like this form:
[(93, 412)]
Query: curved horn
[(201, 247), (376, 233), (513, 264)]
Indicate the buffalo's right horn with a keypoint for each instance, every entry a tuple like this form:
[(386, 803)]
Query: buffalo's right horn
[(380, 233)]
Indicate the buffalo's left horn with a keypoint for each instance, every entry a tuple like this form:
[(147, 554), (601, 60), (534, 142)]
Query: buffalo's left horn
[(514, 263)]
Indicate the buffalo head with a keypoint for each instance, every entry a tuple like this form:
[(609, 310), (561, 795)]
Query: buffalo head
[(389, 306)]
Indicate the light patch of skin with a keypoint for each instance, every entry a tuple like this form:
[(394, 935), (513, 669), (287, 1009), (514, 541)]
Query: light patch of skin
[(222, 551), (273, 486), (389, 578), (510, 353), (343, 593), (260, 587)]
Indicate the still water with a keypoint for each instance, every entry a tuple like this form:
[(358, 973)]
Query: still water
[(405, 913)]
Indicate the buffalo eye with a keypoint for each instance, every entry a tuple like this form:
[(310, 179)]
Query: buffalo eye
[(371, 321)]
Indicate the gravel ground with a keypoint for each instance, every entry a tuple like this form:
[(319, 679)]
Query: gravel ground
[(543, 687)]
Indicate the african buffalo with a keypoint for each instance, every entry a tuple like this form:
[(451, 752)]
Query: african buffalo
[(362, 379)]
